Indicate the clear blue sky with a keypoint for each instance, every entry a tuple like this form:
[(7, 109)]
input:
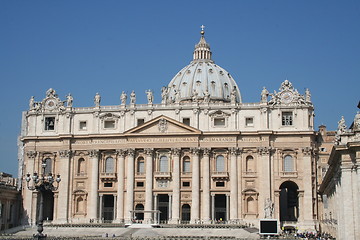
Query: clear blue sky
[(84, 47)]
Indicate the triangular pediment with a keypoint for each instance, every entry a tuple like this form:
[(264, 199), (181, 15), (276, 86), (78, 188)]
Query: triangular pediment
[(162, 125)]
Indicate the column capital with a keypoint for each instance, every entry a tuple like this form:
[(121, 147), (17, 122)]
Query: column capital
[(307, 151), (176, 151), (121, 152), (94, 153), (235, 151), (31, 154), (131, 152), (206, 151), (149, 151), (65, 153), (265, 150), (195, 150)]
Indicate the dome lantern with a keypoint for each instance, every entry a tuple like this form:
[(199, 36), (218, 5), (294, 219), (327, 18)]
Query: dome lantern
[(202, 49)]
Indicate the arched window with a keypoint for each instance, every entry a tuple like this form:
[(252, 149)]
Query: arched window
[(186, 164), (288, 164), (220, 163), (250, 164), (164, 164), (48, 167), (140, 165), (109, 165), (81, 166)]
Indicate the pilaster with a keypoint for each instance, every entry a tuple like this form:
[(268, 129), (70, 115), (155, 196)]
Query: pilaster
[(63, 206), (195, 191), (149, 185), (206, 186), (130, 185), (94, 184), (176, 187), (120, 189)]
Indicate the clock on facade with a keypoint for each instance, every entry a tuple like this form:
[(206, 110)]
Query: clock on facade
[(286, 97)]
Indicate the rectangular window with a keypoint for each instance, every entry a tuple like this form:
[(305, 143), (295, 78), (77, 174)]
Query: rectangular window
[(49, 123), (325, 201), (109, 124), (249, 122), (186, 121), (140, 121), (186, 166), (108, 184), (140, 184), (82, 125), (163, 165), (287, 119), (186, 184), (219, 122), (220, 184)]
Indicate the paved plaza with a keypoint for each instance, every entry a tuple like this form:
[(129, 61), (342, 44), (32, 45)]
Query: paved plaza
[(154, 233)]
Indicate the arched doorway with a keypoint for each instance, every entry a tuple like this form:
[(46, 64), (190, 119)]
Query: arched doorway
[(289, 201), (139, 216), (48, 205), (185, 213)]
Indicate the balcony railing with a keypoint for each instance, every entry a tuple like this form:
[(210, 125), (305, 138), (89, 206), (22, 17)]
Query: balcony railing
[(162, 175), (288, 174), (220, 175), (107, 176)]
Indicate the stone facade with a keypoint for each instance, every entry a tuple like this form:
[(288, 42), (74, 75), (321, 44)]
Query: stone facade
[(9, 202), (339, 189), (199, 156)]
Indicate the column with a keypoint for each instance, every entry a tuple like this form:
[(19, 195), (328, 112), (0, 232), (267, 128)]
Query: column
[(120, 190), (175, 209), (212, 207), (148, 185), (156, 208), (115, 207), (206, 186), (264, 179), (94, 184), (101, 207), (228, 207), (63, 206), (195, 186), (170, 203), (233, 186), (28, 195), (130, 185), (308, 191)]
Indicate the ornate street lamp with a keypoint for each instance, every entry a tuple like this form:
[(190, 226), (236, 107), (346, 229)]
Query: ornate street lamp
[(42, 183)]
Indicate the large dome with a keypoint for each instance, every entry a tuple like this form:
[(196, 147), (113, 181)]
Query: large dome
[(202, 80)]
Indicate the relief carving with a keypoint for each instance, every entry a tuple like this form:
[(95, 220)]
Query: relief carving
[(65, 153), (31, 154)]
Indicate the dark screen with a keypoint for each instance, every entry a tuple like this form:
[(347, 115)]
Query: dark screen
[(269, 227)]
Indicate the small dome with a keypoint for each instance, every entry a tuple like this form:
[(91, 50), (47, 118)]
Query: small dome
[(202, 79)]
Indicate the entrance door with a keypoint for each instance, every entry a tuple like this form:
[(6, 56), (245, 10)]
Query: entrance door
[(163, 203), (108, 207), (139, 216), (289, 201), (220, 207), (48, 207), (185, 213)]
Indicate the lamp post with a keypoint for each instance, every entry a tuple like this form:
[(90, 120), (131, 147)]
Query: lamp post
[(42, 183)]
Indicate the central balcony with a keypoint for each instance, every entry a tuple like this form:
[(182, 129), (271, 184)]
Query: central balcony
[(108, 176), (220, 175), (162, 175)]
